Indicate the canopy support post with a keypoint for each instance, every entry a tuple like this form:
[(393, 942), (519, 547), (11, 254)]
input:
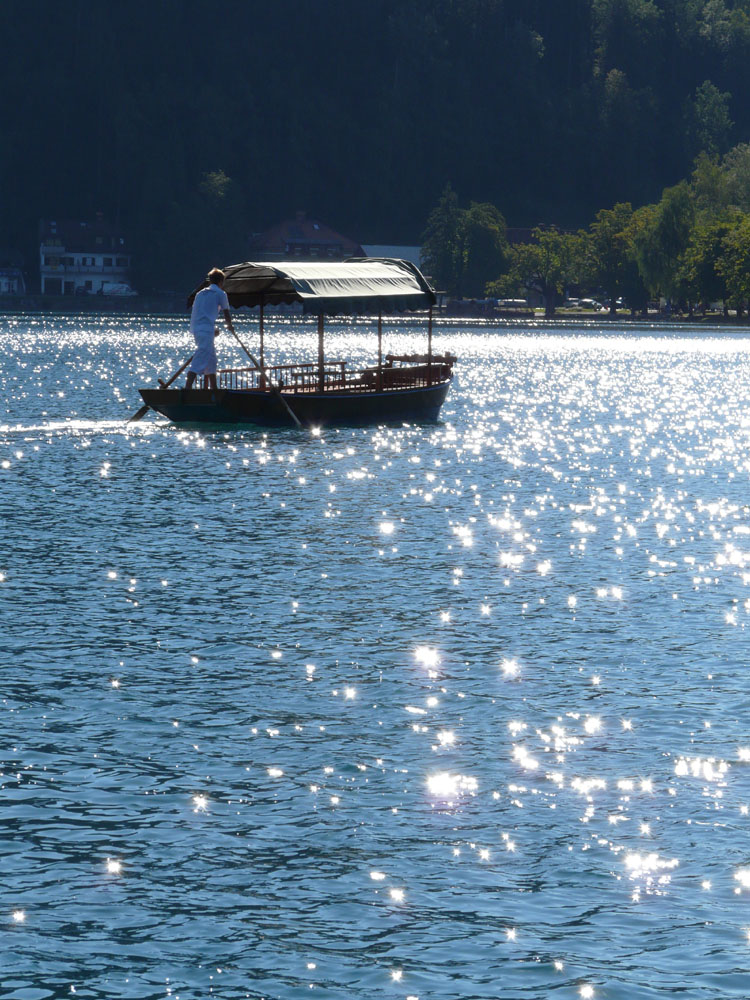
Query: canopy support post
[(321, 355), (379, 380), (262, 360), (429, 348)]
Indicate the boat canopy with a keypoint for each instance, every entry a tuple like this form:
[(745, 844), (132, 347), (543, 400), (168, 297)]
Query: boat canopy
[(358, 285)]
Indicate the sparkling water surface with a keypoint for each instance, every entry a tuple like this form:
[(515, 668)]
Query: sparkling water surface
[(445, 711)]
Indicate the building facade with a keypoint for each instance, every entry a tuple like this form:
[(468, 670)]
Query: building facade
[(302, 238), (83, 258)]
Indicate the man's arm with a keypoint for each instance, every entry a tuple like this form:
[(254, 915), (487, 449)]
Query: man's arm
[(228, 320)]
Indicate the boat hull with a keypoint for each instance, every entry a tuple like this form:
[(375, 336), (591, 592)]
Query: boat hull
[(252, 406)]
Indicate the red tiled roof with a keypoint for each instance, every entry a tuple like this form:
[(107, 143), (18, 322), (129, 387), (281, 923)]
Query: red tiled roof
[(304, 236)]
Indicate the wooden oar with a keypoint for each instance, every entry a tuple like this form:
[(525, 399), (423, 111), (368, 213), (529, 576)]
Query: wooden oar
[(274, 390), (145, 408)]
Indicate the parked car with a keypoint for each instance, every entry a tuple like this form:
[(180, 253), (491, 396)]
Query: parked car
[(117, 288), (513, 303)]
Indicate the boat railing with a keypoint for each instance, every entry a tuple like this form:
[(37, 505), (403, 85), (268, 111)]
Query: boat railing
[(291, 378), (398, 372)]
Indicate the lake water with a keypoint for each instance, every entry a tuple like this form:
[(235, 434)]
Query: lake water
[(447, 711)]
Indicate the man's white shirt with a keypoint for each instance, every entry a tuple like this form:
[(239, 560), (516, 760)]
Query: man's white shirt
[(208, 304)]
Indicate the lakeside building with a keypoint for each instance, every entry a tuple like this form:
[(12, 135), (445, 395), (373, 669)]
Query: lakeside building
[(80, 258), (11, 280), (302, 238)]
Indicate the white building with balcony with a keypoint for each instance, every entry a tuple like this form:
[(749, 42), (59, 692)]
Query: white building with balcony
[(83, 258)]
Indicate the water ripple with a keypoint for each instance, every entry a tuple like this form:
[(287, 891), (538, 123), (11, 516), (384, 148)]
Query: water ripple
[(404, 710)]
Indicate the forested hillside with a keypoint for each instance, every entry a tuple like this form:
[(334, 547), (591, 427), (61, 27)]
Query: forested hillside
[(194, 125)]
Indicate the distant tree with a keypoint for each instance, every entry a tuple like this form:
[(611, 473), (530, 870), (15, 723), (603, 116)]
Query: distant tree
[(726, 29), (483, 248), (621, 107), (463, 249), (710, 186), (707, 119), (660, 235), (733, 264), (547, 265), (736, 174), (701, 268), (716, 24), (622, 28), (442, 243), (607, 252), (216, 185), (634, 291)]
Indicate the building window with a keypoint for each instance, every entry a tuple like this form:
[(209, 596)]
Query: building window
[(108, 262), (122, 261)]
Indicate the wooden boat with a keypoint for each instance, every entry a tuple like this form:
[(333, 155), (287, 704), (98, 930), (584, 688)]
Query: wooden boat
[(321, 392)]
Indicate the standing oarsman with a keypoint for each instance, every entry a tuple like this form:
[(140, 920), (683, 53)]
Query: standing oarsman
[(208, 303)]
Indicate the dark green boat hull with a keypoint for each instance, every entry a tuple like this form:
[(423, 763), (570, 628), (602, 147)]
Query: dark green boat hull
[(243, 406)]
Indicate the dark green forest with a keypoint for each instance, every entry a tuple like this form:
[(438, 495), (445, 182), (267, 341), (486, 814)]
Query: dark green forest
[(192, 126)]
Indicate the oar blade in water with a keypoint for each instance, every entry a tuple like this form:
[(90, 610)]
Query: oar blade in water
[(140, 414)]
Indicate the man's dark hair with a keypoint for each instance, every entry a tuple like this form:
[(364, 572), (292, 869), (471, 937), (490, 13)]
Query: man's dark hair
[(215, 276)]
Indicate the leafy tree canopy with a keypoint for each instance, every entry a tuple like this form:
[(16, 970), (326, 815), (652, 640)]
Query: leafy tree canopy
[(606, 251), (547, 265), (464, 249), (733, 264), (661, 236), (708, 121)]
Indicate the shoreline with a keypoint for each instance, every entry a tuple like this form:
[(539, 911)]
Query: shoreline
[(131, 304), (175, 305)]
